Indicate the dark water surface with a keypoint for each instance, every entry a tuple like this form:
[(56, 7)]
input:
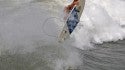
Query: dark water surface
[(108, 56)]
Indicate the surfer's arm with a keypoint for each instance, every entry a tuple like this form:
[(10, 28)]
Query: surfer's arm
[(68, 8)]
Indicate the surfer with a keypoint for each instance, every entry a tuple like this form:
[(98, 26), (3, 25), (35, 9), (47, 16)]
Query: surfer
[(68, 8), (71, 18)]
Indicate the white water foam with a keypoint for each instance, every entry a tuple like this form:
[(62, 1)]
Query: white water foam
[(99, 24)]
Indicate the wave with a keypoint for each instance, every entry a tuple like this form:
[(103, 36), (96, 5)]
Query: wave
[(22, 31)]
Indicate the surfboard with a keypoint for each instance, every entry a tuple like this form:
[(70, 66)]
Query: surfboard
[(72, 21)]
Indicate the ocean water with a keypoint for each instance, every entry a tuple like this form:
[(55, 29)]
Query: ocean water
[(29, 31)]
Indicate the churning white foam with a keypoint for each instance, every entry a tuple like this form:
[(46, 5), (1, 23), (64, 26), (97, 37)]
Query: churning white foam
[(99, 24)]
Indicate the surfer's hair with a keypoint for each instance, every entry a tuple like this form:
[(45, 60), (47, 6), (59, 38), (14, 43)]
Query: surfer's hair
[(75, 0)]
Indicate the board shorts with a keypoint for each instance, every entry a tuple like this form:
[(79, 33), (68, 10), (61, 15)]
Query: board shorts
[(73, 20)]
